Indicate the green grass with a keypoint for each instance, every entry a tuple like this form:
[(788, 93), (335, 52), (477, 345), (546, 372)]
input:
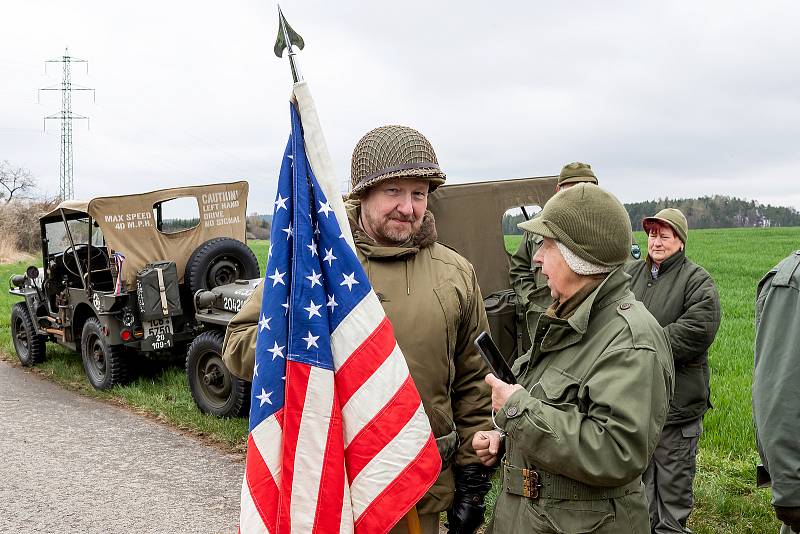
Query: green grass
[(726, 497)]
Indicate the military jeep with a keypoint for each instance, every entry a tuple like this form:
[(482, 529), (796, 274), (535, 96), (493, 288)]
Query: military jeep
[(118, 280)]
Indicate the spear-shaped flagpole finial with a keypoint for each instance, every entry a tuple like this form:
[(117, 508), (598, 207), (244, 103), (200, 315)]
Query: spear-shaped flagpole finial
[(286, 38)]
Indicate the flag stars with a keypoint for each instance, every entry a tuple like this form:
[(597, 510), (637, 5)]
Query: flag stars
[(289, 231), (313, 248), (329, 257), (325, 207), (277, 351), (314, 278), (264, 323), (332, 302), (264, 398), (311, 340), (285, 305), (255, 369), (277, 278), (281, 203), (316, 228), (313, 309), (349, 280)]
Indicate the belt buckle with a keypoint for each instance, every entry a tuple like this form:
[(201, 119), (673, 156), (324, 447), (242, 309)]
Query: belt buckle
[(530, 483)]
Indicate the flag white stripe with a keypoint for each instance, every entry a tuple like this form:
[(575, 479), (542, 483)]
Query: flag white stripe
[(382, 469), (346, 523), (359, 324), (374, 394), (249, 519), (264, 436), (310, 449)]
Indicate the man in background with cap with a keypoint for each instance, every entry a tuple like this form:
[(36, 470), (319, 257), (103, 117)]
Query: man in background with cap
[(593, 391), (683, 298), (431, 296), (776, 376), (527, 280)]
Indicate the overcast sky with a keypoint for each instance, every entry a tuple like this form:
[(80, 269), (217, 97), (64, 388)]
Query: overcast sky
[(662, 98)]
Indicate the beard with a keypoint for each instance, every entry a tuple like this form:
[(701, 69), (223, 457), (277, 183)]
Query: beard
[(394, 228)]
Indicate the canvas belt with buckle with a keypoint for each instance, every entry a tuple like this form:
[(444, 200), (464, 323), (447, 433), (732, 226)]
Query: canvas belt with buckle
[(536, 483)]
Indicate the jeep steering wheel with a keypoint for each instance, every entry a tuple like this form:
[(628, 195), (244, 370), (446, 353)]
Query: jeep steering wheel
[(92, 253)]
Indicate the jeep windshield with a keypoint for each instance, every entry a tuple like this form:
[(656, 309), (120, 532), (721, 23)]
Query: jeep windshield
[(58, 240)]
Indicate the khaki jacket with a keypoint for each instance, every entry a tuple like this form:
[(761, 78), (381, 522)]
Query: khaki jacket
[(597, 391), (431, 296), (776, 402), (685, 302)]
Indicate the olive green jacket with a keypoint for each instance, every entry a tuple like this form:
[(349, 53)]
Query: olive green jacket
[(776, 379), (431, 296), (685, 302), (597, 391)]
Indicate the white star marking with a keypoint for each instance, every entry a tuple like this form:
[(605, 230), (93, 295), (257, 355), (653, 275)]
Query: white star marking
[(289, 231), (311, 340), (313, 248), (255, 369), (264, 397), (332, 302), (329, 257), (286, 305), (316, 228), (324, 207), (264, 323), (281, 202), (313, 309), (315, 278), (277, 278), (277, 351), (349, 280)]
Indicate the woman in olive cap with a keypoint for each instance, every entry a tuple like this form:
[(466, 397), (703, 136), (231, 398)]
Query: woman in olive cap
[(592, 394), (683, 298)]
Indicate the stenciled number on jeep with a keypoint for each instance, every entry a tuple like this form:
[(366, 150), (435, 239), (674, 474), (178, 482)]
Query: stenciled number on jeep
[(232, 304), (160, 329)]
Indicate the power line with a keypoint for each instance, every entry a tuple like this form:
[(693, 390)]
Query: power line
[(65, 185)]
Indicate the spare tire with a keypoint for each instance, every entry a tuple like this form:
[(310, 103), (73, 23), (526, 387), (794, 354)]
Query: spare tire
[(220, 261)]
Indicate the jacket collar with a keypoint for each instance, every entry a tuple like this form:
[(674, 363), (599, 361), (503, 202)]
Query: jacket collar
[(422, 239), (670, 263), (562, 333)]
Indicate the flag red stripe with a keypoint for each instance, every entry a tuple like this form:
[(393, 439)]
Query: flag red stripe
[(365, 360), (331, 487), (382, 428), (297, 375), (261, 485), (397, 499)]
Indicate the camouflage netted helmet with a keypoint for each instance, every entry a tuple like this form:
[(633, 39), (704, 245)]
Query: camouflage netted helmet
[(589, 221), (576, 172), (393, 152)]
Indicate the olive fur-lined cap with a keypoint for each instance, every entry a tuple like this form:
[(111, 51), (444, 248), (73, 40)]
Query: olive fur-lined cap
[(589, 221)]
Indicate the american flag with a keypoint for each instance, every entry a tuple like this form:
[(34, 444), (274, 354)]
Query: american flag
[(339, 440)]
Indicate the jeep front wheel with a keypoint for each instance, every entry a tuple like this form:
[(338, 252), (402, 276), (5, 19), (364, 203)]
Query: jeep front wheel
[(214, 389), (105, 364), (29, 345)]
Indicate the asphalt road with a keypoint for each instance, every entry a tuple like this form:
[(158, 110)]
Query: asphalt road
[(70, 463)]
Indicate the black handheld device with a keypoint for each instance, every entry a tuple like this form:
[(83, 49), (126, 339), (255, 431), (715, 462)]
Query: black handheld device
[(494, 359)]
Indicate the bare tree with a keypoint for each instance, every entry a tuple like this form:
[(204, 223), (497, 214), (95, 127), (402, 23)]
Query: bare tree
[(15, 181)]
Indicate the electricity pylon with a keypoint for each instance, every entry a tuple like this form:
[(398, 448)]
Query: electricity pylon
[(66, 189)]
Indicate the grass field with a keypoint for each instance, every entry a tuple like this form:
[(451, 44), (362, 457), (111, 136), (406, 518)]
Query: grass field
[(726, 498)]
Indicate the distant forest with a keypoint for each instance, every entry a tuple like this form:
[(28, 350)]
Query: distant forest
[(705, 212)]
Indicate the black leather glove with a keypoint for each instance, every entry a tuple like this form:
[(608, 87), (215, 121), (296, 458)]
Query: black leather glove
[(472, 484), (789, 515)]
